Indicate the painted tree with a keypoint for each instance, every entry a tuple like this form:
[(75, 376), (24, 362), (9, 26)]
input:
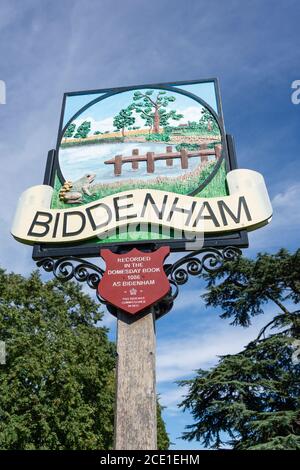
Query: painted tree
[(57, 388), (83, 130), (153, 109), (253, 396), (124, 119), (208, 122), (70, 130)]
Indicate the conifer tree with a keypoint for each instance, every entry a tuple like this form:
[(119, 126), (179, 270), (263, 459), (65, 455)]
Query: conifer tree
[(251, 400)]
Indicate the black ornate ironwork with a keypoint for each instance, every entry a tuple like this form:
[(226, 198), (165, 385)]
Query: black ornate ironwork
[(204, 260), (67, 268)]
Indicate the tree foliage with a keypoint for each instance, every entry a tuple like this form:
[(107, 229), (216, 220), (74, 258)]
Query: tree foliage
[(57, 388), (247, 285), (83, 130), (153, 109), (208, 122), (163, 441), (124, 119), (253, 396), (70, 130)]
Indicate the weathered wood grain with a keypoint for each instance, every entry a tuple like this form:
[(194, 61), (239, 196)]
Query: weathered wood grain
[(135, 414)]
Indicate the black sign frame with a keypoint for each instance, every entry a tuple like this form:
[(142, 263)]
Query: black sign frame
[(238, 238)]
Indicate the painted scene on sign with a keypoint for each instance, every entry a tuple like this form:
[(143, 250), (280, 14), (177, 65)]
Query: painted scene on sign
[(145, 138)]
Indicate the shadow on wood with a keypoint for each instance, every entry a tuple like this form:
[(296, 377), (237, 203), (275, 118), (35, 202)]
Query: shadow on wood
[(135, 414)]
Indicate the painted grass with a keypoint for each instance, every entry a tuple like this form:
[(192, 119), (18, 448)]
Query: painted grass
[(180, 185), (194, 132), (217, 186), (105, 140), (192, 147), (117, 137)]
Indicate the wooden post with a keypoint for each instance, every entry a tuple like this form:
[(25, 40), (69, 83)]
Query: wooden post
[(218, 151), (135, 414), (204, 158), (135, 164), (169, 161), (184, 159), (118, 165), (150, 162)]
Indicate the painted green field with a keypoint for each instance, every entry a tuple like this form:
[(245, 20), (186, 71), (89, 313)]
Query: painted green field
[(217, 186), (183, 185)]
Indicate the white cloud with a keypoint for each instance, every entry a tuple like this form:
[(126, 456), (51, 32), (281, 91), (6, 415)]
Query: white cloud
[(102, 126), (286, 206), (192, 113), (284, 226), (203, 342), (199, 348), (187, 302), (106, 124), (171, 397)]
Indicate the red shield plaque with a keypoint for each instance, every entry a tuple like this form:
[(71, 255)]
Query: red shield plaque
[(134, 280)]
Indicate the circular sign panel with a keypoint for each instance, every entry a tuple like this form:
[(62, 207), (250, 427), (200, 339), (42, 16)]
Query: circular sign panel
[(146, 138)]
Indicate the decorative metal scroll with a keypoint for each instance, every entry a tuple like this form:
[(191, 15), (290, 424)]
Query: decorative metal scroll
[(205, 260), (67, 268)]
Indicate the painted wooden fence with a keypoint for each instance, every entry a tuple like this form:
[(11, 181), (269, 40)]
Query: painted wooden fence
[(150, 157)]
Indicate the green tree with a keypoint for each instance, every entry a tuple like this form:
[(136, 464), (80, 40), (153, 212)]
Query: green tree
[(124, 119), (70, 130), (253, 396), (83, 130), (57, 388), (163, 441), (208, 122), (153, 108)]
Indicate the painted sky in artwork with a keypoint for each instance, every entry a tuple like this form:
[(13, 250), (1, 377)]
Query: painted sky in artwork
[(206, 91), (102, 113)]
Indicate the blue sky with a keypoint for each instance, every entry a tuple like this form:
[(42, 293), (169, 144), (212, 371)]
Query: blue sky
[(48, 48)]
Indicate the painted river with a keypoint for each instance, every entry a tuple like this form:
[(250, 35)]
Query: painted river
[(79, 160)]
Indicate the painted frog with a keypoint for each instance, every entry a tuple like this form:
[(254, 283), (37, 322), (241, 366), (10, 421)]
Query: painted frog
[(71, 193)]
